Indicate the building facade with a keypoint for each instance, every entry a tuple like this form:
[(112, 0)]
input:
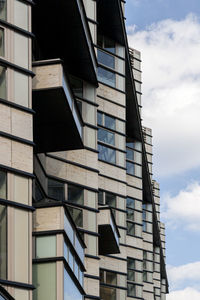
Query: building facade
[(79, 210)]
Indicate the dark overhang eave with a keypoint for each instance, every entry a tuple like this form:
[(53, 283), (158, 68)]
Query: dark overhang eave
[(65, 24)]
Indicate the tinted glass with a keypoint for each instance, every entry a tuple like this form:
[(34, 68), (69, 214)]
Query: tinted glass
[(109, 44), (56, 189), (2, 42), (130, 214), (75, 194), (110, 199), (131, 290), (130, 228), (100, 198), (130, 168), (109, 122), (99, 118), (130, 202), (106, 59), (106, 77), (77, 216), (3, 9), (107, 154), (129, 154), (131, 275), (106, 136), (3, 185)]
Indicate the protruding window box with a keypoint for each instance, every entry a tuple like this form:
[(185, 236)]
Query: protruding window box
[(109, 234), (57, 122)]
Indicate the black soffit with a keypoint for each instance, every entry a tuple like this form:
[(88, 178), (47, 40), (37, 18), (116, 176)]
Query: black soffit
[(54, 125), (62, 31)]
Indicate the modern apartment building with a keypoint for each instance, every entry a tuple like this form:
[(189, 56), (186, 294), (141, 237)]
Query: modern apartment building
[(79, 211)]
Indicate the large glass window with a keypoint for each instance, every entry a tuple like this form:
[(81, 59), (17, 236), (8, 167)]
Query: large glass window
[(3, 242), (3, 93), (3, 10), (107, 77), (107, 154), (133, 159), (75, 194), (3, 184), (44, 279), (56, 189), (106, 121), (2, 42)]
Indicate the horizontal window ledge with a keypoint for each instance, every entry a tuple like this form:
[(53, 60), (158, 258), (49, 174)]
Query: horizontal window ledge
[(111, 146), (16, 67), (111, 178), (92, 277), (88, 232), (16, 138), (92, 256), (112, 87), (108, 52), (116, 272), (111, 70), (16, 106), (112, 130), (16, 171), (17, 284), (16, 204), (86, 100), (111, 101), (17, 29), (113, 286), (112, 164)]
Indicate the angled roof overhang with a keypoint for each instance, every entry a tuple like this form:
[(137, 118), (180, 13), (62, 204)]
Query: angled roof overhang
[(62, 30)]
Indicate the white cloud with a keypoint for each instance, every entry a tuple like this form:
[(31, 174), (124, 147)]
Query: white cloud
[(186, 294), (171, 91), (187, 275), (184, 208)]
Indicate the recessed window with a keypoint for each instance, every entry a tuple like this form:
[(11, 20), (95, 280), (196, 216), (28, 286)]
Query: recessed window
[(110, 122), (75, 194), (56, 189), (110, 199), (131, 269), (3, 93), (107, 77), (3, 185), (107, 154), (130, 202), (106, 136), (3, 242), (3, 10), (105, 43), (77, 216)]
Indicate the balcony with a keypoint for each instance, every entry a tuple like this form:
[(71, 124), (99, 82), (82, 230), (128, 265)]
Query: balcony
[(57, 122), (109, 234), (58, 25)]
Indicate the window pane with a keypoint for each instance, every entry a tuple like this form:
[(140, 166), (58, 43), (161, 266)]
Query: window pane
[(131, 275), (106, 59), (3, 242), (130, 168), (3, 9), (99, 118), (45, 246), (109, 122), (106, 136), (129, 154), (44, 279), (106, 77), (77, 216), (130, 228), (75, 194), (107, 293), (100, 198), (107, 154), (130, 202), (131, 263), (130, 214), (109, 44), (2, 42), (56, 189), (131, 290), (77, 86), (21, 14), (111, 278), (3, 185), (3, 83), (110, 199)]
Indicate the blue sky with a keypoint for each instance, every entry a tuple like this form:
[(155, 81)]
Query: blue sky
[(167, 32)]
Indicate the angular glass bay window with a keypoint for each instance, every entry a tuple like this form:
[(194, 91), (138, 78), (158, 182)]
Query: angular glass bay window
[(3, 10), (106, 136), (107, 77), (56, 189), (106, 59), (3, 242), (70, 289), (77, 216), (75, 194), (3, 93), (107, 154), (3, 184)]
